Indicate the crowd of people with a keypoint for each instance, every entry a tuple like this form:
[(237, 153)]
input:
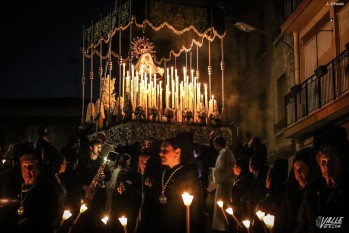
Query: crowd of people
[(145, 183)]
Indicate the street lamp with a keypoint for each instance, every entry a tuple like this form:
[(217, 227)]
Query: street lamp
[(187, 199), (248, 28)]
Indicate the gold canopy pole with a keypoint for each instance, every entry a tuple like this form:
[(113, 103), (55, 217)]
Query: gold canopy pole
[(110, 65), (222, 69), (209, 68), (91, 69), (197, 62), (131, 97), (83, 79), (120, 64), (100, 70)]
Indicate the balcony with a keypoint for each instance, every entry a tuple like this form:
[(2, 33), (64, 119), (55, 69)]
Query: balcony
[(320, 99), (289, 7)]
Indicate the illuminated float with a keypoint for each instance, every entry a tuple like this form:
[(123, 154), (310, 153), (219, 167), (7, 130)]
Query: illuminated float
[(148, 56)]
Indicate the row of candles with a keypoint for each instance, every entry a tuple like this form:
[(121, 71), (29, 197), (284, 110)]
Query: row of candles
[(67, 214), (144, 90), (268, 219), (187, 199)]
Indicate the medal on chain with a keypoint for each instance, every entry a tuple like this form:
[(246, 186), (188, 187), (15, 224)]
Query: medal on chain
[(163, 198), (20, 210)]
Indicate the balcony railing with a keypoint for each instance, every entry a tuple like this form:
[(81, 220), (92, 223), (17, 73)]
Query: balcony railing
[(329, 82), (289, 7)]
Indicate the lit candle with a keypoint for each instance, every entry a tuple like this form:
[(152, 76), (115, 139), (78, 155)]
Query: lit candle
[(206, 100), (123, 69), (150, 73), (198, 95), (142, 71), (133, 70), (181, 89), (192, 75), (167, 74), (247, 224), (123, 222), (105, 220), (269, 221), (173, 93), (187, 199), (160, 85), (220, 204), (177, 94), (66, 214), (127, 84), (231, 212), (155, 104), (260, 214), (130, 86)]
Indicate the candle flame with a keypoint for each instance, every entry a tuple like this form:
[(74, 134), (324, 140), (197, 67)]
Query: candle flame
[(187, 198), (123, 220), (105, 220), (247, 223), (229, 211)]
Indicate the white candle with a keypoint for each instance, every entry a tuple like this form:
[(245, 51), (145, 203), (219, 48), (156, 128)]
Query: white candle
[(198, 94), (192, 75), (150, 73), (167, 96), (172, 71), (160, 95), (167, 74), (133, 70), (173, 94), (206, 100), (123, 69), (177, 100)]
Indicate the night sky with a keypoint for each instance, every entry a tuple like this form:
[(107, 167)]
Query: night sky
[(40, 46)]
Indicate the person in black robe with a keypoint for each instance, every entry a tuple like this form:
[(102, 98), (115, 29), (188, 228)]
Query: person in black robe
[(166, 211)]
